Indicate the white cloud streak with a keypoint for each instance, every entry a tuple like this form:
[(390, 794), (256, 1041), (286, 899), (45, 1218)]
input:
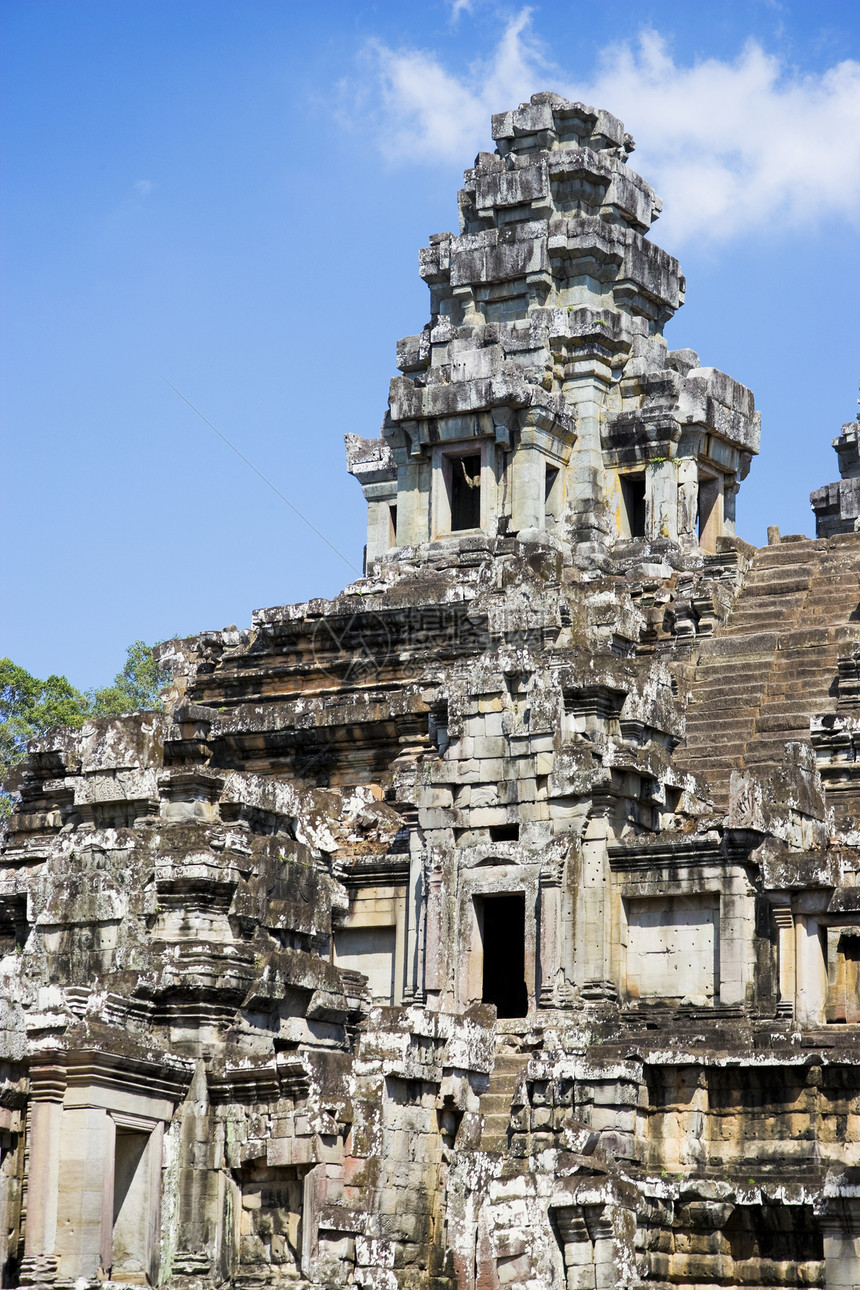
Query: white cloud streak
[(458, 7), (733, 147)]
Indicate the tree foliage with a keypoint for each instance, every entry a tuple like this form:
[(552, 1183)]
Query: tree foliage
[(30, 707), (136, 688)]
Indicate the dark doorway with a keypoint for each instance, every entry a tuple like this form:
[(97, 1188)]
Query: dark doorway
[(502, 921), (633, 494), (465, 492)]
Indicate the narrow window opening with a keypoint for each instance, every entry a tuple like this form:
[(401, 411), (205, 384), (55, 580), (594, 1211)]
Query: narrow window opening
[(504, 832), (551, 488), (130, 1208), (392, 536), (503, 924), (465, 492), (633, 496), (437, 728)]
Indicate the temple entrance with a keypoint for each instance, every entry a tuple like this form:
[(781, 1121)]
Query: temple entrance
[(502, 924)]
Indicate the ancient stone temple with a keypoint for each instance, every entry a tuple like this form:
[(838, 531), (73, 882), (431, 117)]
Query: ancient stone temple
[(497, 922)]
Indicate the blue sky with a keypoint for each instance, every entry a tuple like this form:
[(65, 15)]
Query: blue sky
[(231, 197)]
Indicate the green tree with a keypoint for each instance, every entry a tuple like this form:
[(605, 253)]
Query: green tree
[(136, 688), (30, 707)]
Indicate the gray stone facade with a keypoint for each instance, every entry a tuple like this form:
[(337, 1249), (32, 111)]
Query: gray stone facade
[(495, 923)]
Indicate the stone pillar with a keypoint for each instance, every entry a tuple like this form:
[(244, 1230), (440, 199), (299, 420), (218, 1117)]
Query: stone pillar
[(588, 505), (688, 501), (379, 526), (413, 990), (412, 503), (730, 492), (661, 500), (594, 911), (841, 1232), (313, 1199), (784, 920), (85, 1204), (811, 972), (529, 471), (736, 932), (550, 933), (47, 1085), (434, 971)]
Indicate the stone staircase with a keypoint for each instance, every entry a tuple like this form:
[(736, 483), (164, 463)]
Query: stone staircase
[(773, 665), (497, 1100)]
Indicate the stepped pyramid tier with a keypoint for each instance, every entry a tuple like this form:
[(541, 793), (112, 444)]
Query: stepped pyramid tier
[(542, 395), (837, 506), (495, 923)]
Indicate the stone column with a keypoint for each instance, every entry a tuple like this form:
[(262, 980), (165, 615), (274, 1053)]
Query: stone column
[(529, 471), (588, 506), (596, 983), (688, 501), (550, 933), (784, 920), (412, 503), (841, 1232), (414, 991), (730, 492), (85, 1203), (378, 521), (661, 500), (47, 1086), (434, 979), (313, 1199), (811, 972)]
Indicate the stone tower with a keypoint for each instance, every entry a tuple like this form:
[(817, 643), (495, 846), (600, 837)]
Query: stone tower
[(541, 396), (495, 923)]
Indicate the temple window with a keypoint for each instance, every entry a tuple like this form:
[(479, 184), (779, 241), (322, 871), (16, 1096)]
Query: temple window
[(632, 515), (460, 481), (465, 491), (552, 494)]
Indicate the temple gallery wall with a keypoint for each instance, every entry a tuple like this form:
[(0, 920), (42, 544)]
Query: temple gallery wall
[(495, 923)]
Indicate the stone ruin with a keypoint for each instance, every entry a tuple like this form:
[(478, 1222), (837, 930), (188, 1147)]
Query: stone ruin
[(497, 922)]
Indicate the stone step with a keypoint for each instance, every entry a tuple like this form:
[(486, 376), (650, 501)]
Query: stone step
[(719, 740), (770, 557), (792, 709), (717, 743), (496, 1101), (495, 1106), (793, 591), (714, 675), (752, 616)]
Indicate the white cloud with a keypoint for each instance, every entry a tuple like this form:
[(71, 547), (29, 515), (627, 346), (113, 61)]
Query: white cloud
[(143, 187), (733, 147), (428, 113), (460, 6)]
